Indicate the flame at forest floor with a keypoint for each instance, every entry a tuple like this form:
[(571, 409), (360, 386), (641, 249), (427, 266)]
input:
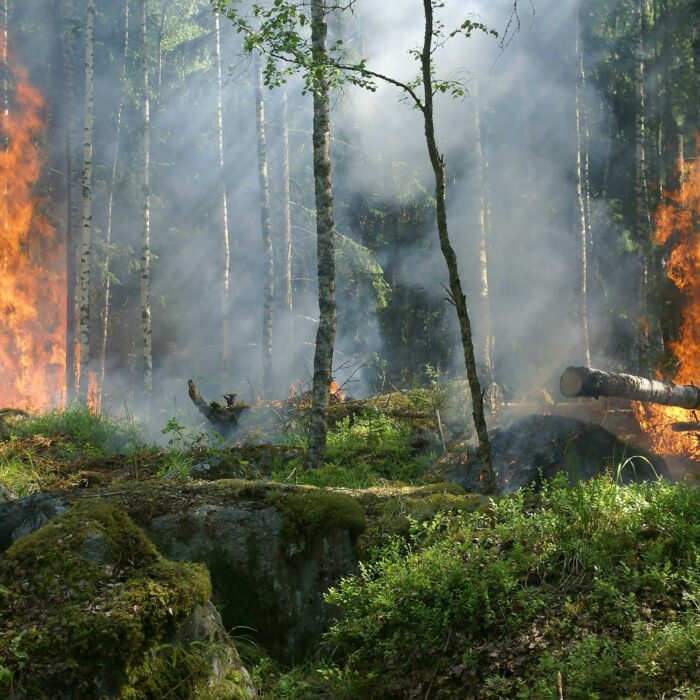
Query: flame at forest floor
[(677, 227), (32, 275)]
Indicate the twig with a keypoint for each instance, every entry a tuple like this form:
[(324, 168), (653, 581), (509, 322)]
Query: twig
[(442, 434)]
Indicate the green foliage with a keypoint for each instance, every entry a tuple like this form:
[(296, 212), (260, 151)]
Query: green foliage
[(356, 263), (598, 581)]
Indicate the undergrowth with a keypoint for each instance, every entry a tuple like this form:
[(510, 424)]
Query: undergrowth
[(34, 451), (598, 582)]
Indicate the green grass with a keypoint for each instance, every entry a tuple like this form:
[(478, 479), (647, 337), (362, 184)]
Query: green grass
[(37, 452), (370, 449)]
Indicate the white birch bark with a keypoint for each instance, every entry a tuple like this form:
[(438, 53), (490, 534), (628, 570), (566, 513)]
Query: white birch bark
[(146, 345), (266, 230), (85, 241), (580, 197), (225, 289)]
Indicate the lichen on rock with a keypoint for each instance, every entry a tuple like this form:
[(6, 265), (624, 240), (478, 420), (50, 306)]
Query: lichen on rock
[(90, 609)]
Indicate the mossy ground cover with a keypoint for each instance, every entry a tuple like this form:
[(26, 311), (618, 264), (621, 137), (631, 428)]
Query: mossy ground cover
[(87, 605), (598, 582)]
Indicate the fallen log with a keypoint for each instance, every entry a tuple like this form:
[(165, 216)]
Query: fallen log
[(583, 381), (683, 427)]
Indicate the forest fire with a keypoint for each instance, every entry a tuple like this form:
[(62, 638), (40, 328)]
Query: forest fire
[(32, 281), (677, 227)]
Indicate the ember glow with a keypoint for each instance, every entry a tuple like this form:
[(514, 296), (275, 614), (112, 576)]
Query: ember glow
[(32, 279), (678, 227)]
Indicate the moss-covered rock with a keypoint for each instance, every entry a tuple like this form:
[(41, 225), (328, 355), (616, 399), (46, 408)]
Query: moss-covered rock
[(90, 609)]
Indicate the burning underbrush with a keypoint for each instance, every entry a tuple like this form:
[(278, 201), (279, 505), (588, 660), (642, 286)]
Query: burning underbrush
[(677, 231), (32, 261)]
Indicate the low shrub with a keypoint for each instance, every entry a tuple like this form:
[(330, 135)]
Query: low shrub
[(598, 582)]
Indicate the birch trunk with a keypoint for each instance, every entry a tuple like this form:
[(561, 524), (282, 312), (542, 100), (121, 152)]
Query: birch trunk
[(580, 196), (483, 253), (288, 292), (70, 35), (325, 243), (146, 347), (641, 223), (266, 230), (85, 241), (106, 284), (225, 359), (458, 297)]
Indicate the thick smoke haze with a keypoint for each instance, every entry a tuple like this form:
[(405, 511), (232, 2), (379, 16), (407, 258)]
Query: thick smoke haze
[(524, 89)]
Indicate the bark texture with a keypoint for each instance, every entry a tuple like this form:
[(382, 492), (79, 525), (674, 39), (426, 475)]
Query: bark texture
[(487, 340), (583, 381), (70, 37), (458, 297), (85, 241), (266, 230), (325, 245), (146, 345)]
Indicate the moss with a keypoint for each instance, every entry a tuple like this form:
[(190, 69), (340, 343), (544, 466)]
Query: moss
[(308, 512), (88, 601)]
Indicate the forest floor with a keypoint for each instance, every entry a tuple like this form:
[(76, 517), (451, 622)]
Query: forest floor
[(593, 588)]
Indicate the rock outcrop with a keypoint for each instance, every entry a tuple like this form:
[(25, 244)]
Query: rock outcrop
[(90, 609), (271, 551)]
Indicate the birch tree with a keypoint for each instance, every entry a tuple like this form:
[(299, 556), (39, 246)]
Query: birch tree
[(266, 231), (287, 285), (85, 242), (641, 213), (225, 289), (146, 346), (482, 206), (70, 37), (580, 197), (106, 278)]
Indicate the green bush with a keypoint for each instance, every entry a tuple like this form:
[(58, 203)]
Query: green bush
[(598, 582)]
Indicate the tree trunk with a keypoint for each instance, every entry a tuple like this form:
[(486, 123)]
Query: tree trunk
[(146, 346), (580, 195), (460, 301), (487, 357), (223, 218), (266, 230), (583, 381), (325, 233), (70, 35), (106, 282), (287, 287), (85, 242), (641, 218)]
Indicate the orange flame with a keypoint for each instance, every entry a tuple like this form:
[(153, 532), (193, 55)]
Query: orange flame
[(32, 279), (678, 224)]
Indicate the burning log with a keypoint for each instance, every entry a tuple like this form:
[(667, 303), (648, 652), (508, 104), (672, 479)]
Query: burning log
[(583, 381), (683, 427)]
